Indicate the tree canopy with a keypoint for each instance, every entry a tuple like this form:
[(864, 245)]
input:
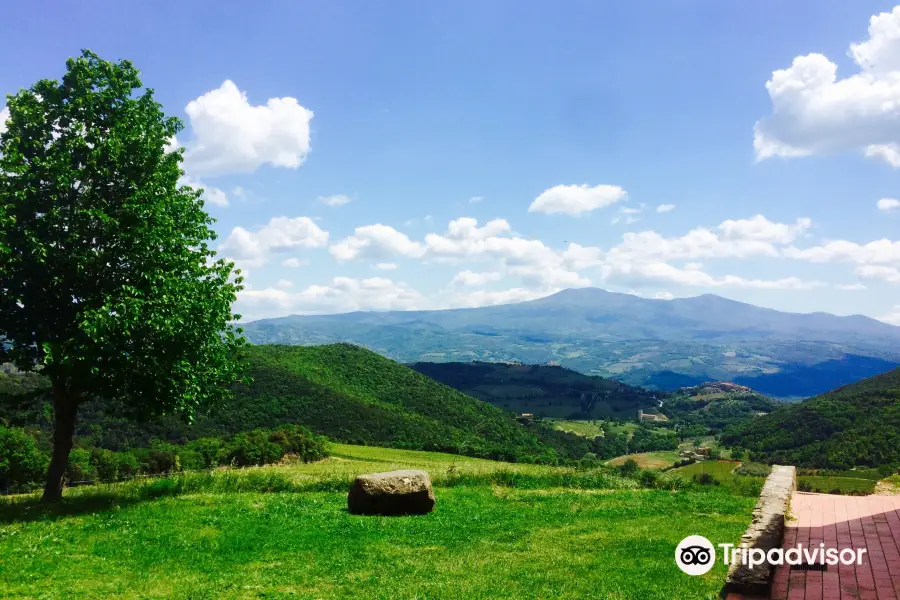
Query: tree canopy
[(107, 284)]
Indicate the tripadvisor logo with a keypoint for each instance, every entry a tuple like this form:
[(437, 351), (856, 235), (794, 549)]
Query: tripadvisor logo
[(695, 555)]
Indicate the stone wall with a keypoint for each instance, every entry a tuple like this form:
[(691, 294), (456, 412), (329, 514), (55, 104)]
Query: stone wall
[(766, 531)]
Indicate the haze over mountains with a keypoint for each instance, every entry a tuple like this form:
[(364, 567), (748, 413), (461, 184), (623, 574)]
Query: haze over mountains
[(663, 344)]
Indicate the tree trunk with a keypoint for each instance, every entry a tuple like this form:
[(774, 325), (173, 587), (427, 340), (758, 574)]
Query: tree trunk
[(64, 409)]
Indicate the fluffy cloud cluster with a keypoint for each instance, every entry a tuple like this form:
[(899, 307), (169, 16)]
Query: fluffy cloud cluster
[(253, 248), (4, 117), (343, 294), (230, 135), (815, 112), (375, 242), (888, 204), (576, 199)]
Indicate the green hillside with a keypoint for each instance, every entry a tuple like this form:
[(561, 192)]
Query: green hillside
[(714, 406), (856, 425), (546, 391), (342, 391)]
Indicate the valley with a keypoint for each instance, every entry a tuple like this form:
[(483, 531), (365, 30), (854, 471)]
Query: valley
[(658, 344)]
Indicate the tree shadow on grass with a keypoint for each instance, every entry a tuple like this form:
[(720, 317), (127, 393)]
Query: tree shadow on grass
[(23, 510)]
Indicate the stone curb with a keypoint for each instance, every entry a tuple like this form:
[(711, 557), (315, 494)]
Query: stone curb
[(766, 531)]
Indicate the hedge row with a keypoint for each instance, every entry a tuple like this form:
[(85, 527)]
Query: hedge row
[(23, 464)]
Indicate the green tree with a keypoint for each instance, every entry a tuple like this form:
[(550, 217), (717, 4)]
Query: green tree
[(107, 284)]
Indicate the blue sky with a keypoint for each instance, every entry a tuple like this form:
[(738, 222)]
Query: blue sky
[(496, 151)]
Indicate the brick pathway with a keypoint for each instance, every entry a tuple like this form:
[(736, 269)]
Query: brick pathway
[(871, 522)]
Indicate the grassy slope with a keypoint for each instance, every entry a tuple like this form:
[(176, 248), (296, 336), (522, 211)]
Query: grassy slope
[(481, 542), (357, 396), (543, 390), (345, 392), (856, 425)]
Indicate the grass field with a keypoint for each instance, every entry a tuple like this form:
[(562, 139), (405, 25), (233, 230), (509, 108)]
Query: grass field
[(483, 541), (588, 429), (648, 460), (827, 484), (722, 471)]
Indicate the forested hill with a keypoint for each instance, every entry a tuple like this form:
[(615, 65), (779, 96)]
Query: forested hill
[(345, 392), (855, 425), (544, 390)]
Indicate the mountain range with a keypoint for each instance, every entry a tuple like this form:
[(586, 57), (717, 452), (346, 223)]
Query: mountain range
[(659, 344)]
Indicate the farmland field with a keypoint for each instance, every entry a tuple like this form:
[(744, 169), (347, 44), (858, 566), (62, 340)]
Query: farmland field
[(648, 460), (279, 532)]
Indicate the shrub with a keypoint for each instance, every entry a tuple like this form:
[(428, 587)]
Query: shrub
[(253, 448), (300, 442), (629, 467), (80, 467), (649, 478), (113, 466), (159, 458), (21, 463), (209, 449), (589, 460), (804, 486), (705, 479)]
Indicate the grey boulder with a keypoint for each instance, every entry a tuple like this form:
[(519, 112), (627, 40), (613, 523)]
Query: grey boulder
[(392, 493)]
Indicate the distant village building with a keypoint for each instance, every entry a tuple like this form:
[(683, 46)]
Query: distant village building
[(651, 417), (525, 418)]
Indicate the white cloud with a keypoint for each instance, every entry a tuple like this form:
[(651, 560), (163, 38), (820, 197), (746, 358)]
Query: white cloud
[(761, 229), (889, 153), (471, 278), (232, 136), (294, 263), (376, 241), (386, 266), (335, 200), (475, 199), (343, 294), (537, 264), (888, 204), (280, 234), (851, 287), (815, 112), (878, 252), (879, 272), (284, 284), (664, 296), (661, 271), (576, 199), (475, 298), (4, 117), (211, 195), (664, 208), (892, 317)]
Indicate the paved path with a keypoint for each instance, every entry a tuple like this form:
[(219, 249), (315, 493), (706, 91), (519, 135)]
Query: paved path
[(871, 522)]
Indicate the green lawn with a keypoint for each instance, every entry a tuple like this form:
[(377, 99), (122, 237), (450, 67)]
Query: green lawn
[(483, 541), (827, 484)]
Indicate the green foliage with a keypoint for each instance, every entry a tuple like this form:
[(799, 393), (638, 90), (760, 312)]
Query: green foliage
[(629, 467), (113, 466), (356, 396), (546, 391), (80, 468), (697, 411), (109, 286), (22, 464), (854, 426), (645, 439)]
